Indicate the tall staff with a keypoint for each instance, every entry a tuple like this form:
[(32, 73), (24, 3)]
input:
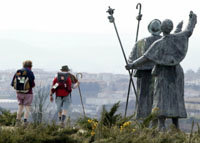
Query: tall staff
[(139, 17), (112, 20), (79, 89)]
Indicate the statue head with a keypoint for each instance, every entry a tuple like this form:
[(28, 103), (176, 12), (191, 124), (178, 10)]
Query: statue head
[(154, 27), (166, 26)]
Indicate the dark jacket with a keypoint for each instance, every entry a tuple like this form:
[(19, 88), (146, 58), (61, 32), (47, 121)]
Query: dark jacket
[(31, 79)]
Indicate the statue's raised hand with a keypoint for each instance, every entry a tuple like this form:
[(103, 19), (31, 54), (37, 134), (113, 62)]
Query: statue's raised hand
[(193, 17), (179, 27)]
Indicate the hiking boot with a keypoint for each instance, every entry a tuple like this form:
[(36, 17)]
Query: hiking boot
[(18, 123)]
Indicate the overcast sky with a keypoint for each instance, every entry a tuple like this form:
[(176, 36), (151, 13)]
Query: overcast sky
[(53, 33)]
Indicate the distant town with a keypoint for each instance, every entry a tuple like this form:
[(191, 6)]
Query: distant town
[(97, 90)]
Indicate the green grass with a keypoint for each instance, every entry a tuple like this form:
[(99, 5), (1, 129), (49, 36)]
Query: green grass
[(110, 128), (7, 118)]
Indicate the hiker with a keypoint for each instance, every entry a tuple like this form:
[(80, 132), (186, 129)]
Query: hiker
[(23, 82), (62, 87), (145, 80), (167, 53)]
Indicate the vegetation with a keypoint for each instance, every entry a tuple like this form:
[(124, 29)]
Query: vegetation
[(110, 128), (7, 118), (39, 112), (39, 134)]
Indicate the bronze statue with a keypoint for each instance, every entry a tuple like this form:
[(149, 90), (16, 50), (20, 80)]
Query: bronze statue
[(145, 80), (167, 53)]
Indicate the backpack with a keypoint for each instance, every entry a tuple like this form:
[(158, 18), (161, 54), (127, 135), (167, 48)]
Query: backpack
[(62, 78), (21, 81)]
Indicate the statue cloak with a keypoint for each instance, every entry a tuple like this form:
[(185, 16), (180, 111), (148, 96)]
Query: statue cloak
[(167, 53), (145, 80)]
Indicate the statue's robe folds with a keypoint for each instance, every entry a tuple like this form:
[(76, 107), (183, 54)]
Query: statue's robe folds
[(167, 53), (145, 80)]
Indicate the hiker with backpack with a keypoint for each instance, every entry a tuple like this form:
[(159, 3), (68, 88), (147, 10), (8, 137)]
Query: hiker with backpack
[(62, 87), (23, 82)]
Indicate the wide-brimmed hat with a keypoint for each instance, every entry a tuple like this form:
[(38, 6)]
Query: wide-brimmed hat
[(154, 27), (65, 68)]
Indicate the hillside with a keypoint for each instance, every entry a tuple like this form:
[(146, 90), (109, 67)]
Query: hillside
[(111, 127)]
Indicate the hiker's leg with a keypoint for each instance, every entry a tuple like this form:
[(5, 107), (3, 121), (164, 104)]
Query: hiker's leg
[(19, 112), (161, 123), (64, 113), (175, 122), (19, 115), (59, 105), (26, 115), (20, 98), (65, 107), (27, 102), (60, 115)]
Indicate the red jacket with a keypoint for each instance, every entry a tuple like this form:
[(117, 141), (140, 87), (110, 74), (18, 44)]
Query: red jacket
[(63, 89)]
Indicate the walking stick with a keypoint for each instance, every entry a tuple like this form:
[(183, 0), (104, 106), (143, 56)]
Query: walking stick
[(79, 89), (139, 17), (112, 20)]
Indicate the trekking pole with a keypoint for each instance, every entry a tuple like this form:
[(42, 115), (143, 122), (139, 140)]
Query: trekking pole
[(112, 20), (79, 89), (139, 17)]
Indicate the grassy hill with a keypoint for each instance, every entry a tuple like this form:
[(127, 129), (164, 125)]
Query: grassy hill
[(110, 128)]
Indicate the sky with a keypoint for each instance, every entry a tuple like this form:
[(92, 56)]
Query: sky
[(77, 33)]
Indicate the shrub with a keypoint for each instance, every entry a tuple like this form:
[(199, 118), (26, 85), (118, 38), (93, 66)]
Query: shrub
[(39, 134), (7, 118)]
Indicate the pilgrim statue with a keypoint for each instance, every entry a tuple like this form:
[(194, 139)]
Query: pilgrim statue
[(145, 79), (167, 53)]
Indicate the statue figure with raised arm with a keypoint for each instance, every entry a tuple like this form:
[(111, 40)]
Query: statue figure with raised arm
[(167, 53)]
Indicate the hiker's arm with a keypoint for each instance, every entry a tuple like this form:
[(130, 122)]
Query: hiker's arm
[(74, 81), (76, 84), (12, 83), (31, 79), (33, 82), (53, 89)]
